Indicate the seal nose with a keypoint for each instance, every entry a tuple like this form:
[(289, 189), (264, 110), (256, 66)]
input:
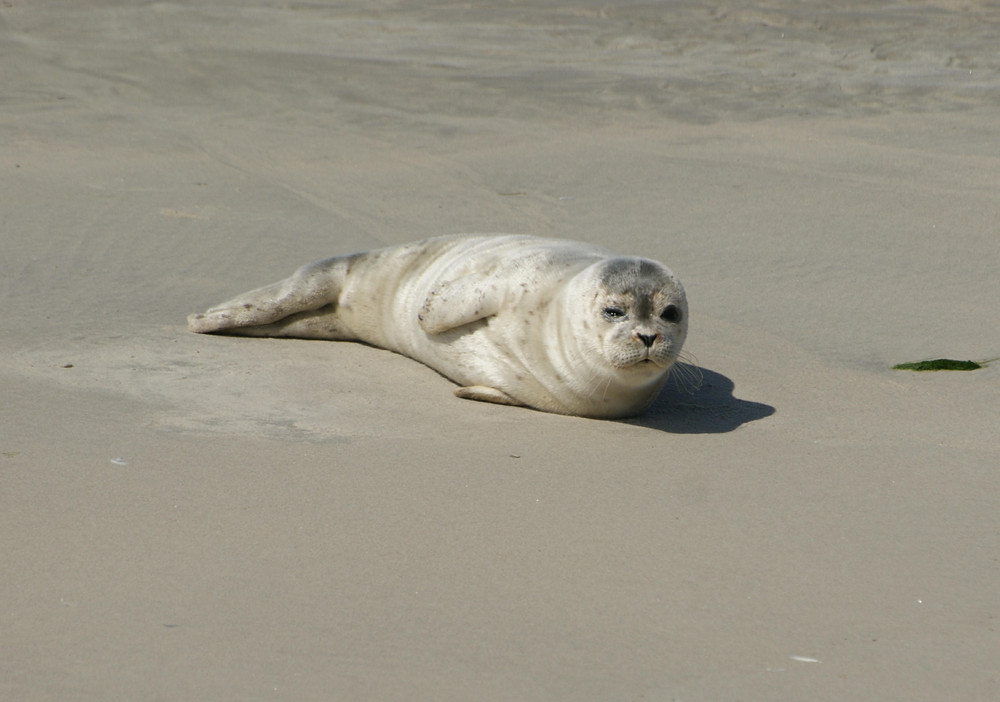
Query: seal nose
[(647, 339)]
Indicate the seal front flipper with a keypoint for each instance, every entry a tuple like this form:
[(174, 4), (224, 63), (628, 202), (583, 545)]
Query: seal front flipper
[(455, 303), (483, 393)]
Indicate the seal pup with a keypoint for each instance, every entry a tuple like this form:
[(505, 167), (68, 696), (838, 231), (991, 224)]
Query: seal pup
[(556, 325)]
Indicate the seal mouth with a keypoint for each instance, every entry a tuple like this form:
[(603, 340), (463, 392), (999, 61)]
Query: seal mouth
[(648, 359)]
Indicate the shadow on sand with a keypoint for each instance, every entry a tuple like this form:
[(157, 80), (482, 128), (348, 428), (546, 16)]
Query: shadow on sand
[(709, 409)]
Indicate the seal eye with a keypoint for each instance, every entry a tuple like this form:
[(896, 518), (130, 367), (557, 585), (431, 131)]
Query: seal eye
[(614, 313), (671, 314)]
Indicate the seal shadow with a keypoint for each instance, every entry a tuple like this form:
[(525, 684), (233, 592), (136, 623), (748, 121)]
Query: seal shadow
[(711, 408)]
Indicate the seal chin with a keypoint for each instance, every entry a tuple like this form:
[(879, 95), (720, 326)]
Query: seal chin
[(649, 364), (654, 363)]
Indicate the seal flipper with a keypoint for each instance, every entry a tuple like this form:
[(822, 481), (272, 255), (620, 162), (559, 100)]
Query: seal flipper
[(455, 303), (482, 393), (302, 306)]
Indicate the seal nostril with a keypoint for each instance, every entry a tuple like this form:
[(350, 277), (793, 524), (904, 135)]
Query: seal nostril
[(647, 339)]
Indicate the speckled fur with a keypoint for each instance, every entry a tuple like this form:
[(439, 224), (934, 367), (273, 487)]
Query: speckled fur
[(513, 319)]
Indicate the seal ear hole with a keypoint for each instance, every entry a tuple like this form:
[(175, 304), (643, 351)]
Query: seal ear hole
[(613, 313), (671, 313)]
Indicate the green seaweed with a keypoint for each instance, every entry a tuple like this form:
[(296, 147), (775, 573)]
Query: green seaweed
[(938, 364)]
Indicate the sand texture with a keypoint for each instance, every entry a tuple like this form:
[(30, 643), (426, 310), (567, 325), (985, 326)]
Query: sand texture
[(187, 517)]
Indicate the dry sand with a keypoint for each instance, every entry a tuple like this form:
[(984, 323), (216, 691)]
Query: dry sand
[(198, 518)]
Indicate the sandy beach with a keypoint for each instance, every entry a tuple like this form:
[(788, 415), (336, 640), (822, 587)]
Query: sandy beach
[(187, 517)]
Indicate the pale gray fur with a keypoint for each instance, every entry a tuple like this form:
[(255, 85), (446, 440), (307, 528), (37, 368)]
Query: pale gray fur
[(551, 324)]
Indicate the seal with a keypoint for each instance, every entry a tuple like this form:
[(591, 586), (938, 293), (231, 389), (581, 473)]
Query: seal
[(555, 325)]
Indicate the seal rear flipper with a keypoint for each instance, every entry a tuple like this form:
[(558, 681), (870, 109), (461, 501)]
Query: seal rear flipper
[(483, 393), (312, 324), (303, 305)]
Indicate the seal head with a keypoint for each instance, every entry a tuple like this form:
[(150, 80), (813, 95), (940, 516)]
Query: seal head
[(628, 321), (645, 313)]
